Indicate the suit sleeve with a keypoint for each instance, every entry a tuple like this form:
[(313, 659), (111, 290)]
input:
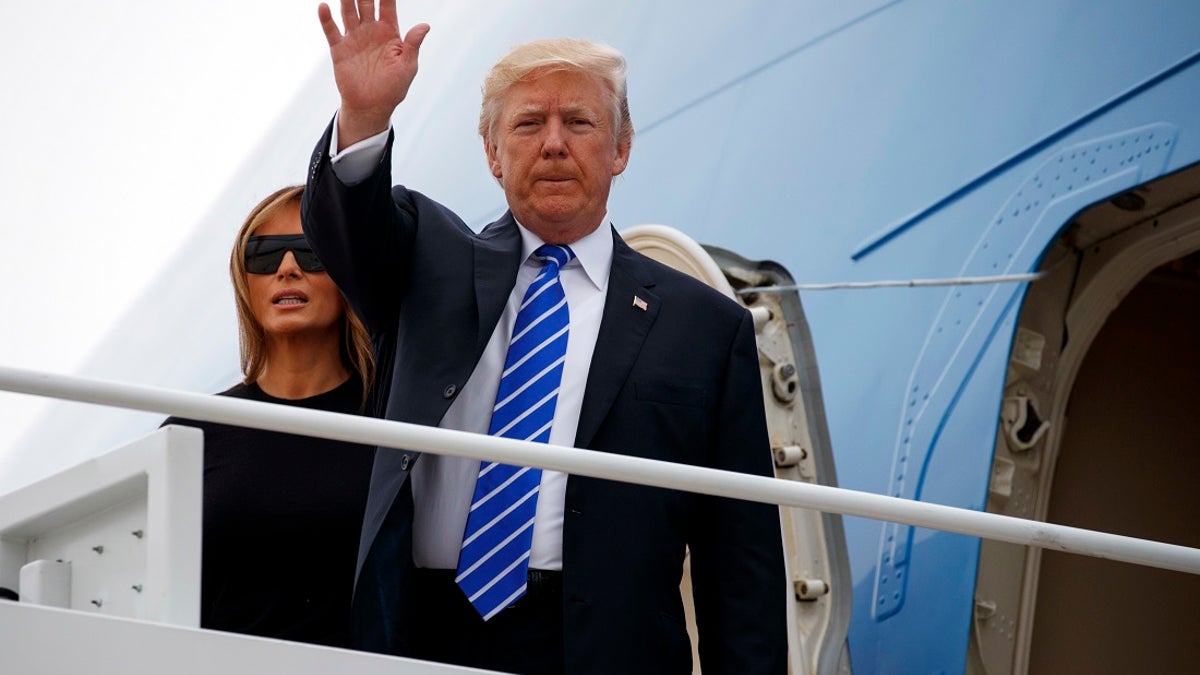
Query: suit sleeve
[(363, 234), (736, 546)]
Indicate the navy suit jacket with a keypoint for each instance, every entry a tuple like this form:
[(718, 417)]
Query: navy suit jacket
[(676, 381)]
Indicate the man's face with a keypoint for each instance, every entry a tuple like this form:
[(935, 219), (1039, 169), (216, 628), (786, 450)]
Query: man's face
[(553, 149)]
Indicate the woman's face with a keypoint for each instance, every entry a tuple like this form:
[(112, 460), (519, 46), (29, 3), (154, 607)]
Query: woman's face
[(292, 302)]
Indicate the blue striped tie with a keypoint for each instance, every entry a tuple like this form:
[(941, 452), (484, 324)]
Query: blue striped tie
[(494, 561)]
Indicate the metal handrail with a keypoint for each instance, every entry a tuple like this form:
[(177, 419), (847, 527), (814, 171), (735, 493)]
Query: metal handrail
[(414, 437)]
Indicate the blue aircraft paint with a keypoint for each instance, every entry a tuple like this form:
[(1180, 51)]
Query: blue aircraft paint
[(971, 315), (881, 238)]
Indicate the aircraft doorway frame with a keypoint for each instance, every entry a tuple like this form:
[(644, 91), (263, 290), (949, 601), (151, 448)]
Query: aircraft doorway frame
[(1101, 254)]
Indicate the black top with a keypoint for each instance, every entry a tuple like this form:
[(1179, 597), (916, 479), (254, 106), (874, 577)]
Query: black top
[(282, 515)]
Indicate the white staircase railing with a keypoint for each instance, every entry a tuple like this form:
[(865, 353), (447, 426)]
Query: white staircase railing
[(418, 438)]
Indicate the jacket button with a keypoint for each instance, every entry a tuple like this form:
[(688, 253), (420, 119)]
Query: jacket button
[(449, 391), (404, 463)]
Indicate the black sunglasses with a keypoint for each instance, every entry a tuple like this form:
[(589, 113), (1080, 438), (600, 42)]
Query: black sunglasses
[(264, 253)]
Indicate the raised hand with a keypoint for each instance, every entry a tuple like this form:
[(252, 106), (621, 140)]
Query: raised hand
[(372, 65)]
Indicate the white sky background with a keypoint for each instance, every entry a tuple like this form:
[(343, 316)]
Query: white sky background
[(120, 124)]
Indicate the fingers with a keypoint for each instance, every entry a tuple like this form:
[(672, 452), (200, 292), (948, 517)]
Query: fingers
[(358, 12), (366, 11), (387, 12), (349, 14), (332, 34)]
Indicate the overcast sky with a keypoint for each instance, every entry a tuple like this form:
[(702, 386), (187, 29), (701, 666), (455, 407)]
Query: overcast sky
[(121, 123)]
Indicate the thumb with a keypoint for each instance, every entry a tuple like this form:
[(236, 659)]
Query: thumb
[(415, 36)]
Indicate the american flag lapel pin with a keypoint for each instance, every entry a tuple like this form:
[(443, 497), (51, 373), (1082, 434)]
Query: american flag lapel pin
[(639, 303)]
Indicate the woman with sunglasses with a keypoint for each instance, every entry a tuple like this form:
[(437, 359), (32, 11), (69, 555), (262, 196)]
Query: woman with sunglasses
[(282, 512)]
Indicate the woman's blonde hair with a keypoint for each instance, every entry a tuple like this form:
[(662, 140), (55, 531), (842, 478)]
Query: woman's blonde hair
[(557, 54), (355, 342)]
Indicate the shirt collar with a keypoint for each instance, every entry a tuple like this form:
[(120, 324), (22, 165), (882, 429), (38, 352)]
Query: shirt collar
[(594, 252)]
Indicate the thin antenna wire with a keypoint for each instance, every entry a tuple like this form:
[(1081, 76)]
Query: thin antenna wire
[(904, 283)]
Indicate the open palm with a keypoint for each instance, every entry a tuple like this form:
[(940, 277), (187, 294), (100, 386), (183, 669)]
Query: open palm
[(372, 65)]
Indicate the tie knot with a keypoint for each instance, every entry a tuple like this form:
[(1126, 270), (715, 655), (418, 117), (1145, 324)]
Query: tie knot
[(554, 254)]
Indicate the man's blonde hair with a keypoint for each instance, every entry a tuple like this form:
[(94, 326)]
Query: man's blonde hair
[(558, 54)]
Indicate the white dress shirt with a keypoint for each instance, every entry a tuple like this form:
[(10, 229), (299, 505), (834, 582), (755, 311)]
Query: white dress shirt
[(443, 486)]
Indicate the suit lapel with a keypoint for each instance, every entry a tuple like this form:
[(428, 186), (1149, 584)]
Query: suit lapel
[(497, 258), (623, 329)]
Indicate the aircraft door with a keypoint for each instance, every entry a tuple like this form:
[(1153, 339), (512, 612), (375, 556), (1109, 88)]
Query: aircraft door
[(1096, 431), (814, 544)]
